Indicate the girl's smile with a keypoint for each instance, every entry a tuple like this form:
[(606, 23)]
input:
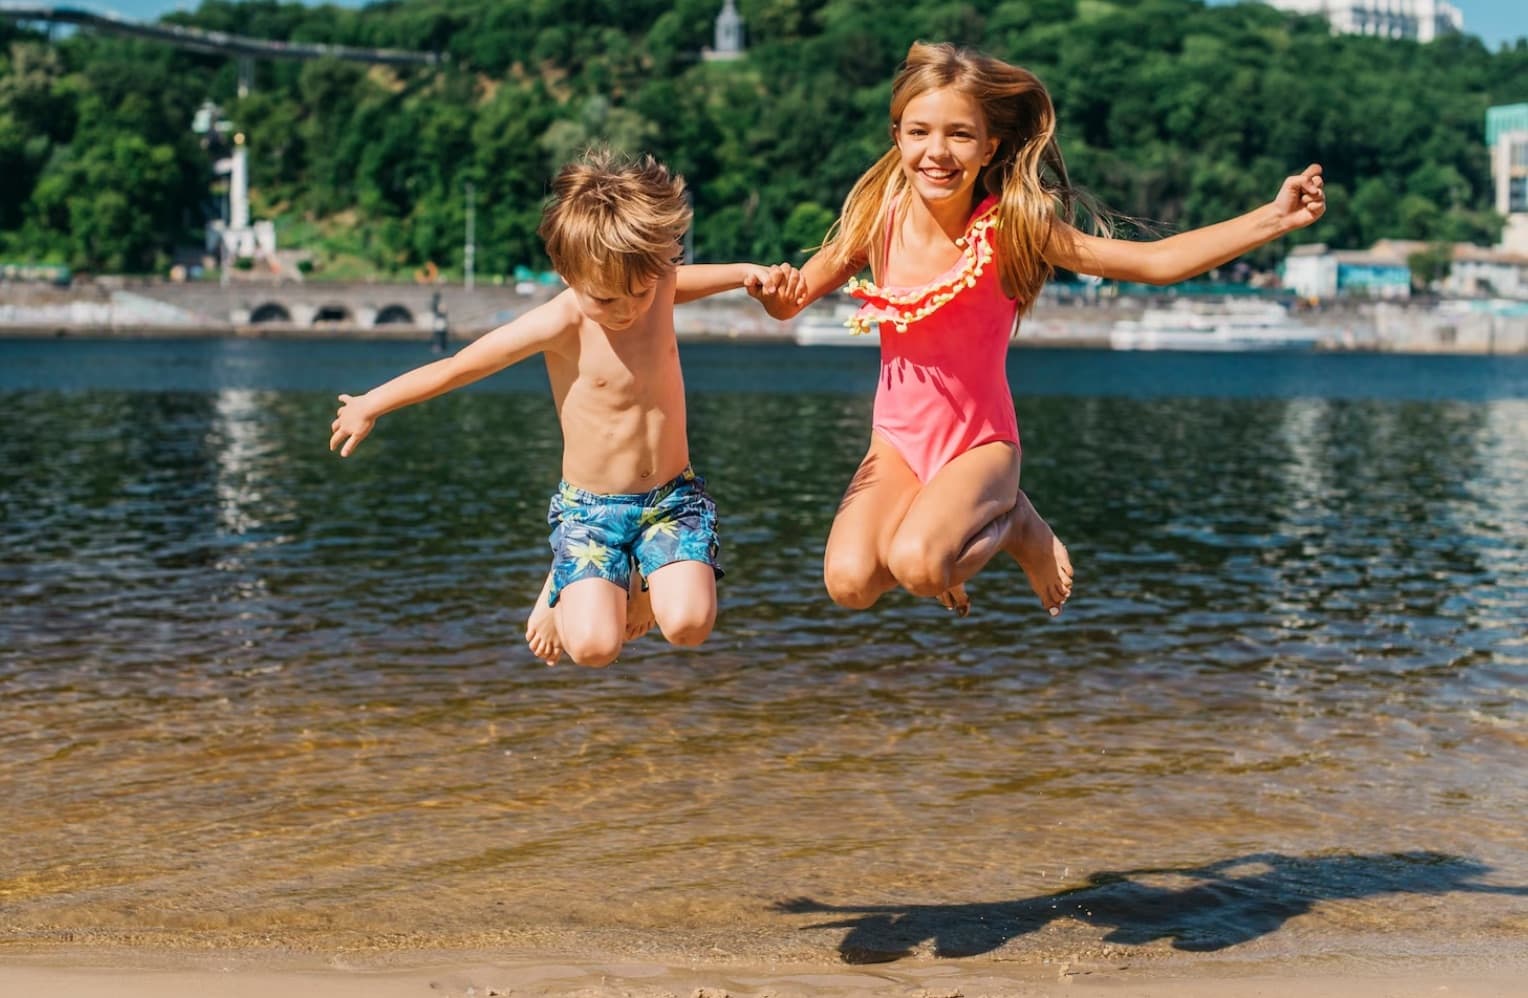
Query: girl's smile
[(944, 143)]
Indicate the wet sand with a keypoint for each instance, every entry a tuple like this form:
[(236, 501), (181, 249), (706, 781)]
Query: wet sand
[(136, 975)]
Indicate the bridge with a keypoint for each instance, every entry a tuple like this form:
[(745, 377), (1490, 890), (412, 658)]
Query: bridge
[(214, 42)]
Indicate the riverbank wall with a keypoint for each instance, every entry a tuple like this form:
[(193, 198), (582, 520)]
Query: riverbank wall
[(128, 308)]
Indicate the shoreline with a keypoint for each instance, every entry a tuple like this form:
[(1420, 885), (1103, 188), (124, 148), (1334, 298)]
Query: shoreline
[(146, 974), (365, 312), (1095, 341), (785, 337)]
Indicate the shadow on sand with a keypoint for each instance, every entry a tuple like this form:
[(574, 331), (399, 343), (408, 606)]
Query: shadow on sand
[(1228, 902)]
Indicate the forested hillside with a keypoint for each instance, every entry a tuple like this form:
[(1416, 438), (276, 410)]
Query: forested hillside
[(1169, 110)]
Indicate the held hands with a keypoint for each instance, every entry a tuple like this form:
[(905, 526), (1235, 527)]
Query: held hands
[(351, 425), (1302, 199), (780, 288)]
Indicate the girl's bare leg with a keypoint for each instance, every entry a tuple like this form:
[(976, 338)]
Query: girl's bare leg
[(968, 512), (1037, 549), (1024, 535), (854, 566), (684, 601)]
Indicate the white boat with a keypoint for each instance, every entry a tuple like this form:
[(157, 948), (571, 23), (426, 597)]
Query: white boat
[(824, 326), (1231, 325)]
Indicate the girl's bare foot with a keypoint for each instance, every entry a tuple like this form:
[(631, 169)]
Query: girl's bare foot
[(1041, 554), (955, 600), (639, 608), (541, 628)]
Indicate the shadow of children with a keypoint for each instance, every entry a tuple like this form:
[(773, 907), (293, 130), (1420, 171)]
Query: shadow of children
[(1228, 902)]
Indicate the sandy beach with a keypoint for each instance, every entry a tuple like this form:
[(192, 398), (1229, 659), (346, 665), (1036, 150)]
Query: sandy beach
[(141, 975), (270, 727)]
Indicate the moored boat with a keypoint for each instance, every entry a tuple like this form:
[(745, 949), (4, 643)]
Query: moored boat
[(1223, 326)]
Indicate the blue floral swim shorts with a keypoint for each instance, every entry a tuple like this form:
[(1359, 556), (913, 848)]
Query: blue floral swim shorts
[(597, 536)]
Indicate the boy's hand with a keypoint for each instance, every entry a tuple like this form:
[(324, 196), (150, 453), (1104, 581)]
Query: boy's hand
[(1302, 198), (351, 425), (780, 288)]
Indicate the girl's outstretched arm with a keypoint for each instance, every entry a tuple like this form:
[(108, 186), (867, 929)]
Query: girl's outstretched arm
[(531, 333), (1300, 202)]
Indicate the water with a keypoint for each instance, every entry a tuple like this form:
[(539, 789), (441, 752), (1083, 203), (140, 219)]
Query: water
[(253, 695)]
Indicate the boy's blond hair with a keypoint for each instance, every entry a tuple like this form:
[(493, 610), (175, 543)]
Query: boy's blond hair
[(614, 224)]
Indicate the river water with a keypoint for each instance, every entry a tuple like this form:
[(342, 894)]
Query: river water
[(254, 695)]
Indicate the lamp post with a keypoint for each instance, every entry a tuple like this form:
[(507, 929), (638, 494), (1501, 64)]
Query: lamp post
[(471, 249)]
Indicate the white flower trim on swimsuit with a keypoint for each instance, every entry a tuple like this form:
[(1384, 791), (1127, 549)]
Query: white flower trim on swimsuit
[(903, 308)]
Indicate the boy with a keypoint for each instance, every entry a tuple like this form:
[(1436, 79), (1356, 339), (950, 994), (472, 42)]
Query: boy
[(629, 501)]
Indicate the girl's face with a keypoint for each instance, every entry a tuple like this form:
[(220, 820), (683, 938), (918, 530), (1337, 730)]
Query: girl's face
[(944, 143)]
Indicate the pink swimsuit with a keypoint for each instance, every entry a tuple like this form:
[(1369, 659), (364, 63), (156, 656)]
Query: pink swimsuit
[(944, 383)]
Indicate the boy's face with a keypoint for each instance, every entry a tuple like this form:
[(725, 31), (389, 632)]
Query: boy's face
[(615, 310)]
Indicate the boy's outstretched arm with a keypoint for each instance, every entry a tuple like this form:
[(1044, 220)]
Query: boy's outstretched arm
[(531, 333), (700, 280), (1300, 202)]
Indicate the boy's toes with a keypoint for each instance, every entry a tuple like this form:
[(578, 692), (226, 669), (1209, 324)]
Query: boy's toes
[(543, 647)]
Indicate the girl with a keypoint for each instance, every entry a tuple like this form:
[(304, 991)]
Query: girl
[(962, 222)]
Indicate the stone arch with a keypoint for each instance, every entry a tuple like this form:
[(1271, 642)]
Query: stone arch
[(390, 315), (271, 311), (332, 314)]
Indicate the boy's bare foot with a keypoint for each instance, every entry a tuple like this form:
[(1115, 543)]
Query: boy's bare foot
[(1041, 554), (639, 609), (541, 628), (955, 600)]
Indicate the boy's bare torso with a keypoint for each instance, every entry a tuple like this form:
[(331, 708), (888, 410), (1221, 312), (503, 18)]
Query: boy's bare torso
[(620, 399)]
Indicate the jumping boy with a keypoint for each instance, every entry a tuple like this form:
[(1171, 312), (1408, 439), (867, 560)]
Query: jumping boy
[(629, 502)]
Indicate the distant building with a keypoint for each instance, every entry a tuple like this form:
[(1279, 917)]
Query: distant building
[(729, 35), (1489, 273), (1419, 20), (1382, 271), (1507, 137), (1318, 272)]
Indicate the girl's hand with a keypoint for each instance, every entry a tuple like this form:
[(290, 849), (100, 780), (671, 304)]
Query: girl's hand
[(351, 425), (780, 289), (1302, 199)]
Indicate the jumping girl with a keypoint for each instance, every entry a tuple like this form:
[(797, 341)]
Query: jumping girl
[(962, 222)]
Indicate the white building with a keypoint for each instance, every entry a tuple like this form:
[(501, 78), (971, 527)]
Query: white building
[(729, 35), (1316, 272), (1419, 20), (1474, 271), (1490, 273), (1383, 271), (1507, 137)]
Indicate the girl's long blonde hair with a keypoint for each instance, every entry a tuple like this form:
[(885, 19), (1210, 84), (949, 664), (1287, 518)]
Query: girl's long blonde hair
[(1027, 172)]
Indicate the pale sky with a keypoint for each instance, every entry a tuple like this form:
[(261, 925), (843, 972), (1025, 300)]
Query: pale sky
[(1495, 21)]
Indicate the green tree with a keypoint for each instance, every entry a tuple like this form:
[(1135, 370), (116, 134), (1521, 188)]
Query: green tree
[(1430, 265)]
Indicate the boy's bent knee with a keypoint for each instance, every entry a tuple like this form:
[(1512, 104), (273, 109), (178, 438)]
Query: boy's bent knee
[(595, 651), (686, 624), (688, 633)]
